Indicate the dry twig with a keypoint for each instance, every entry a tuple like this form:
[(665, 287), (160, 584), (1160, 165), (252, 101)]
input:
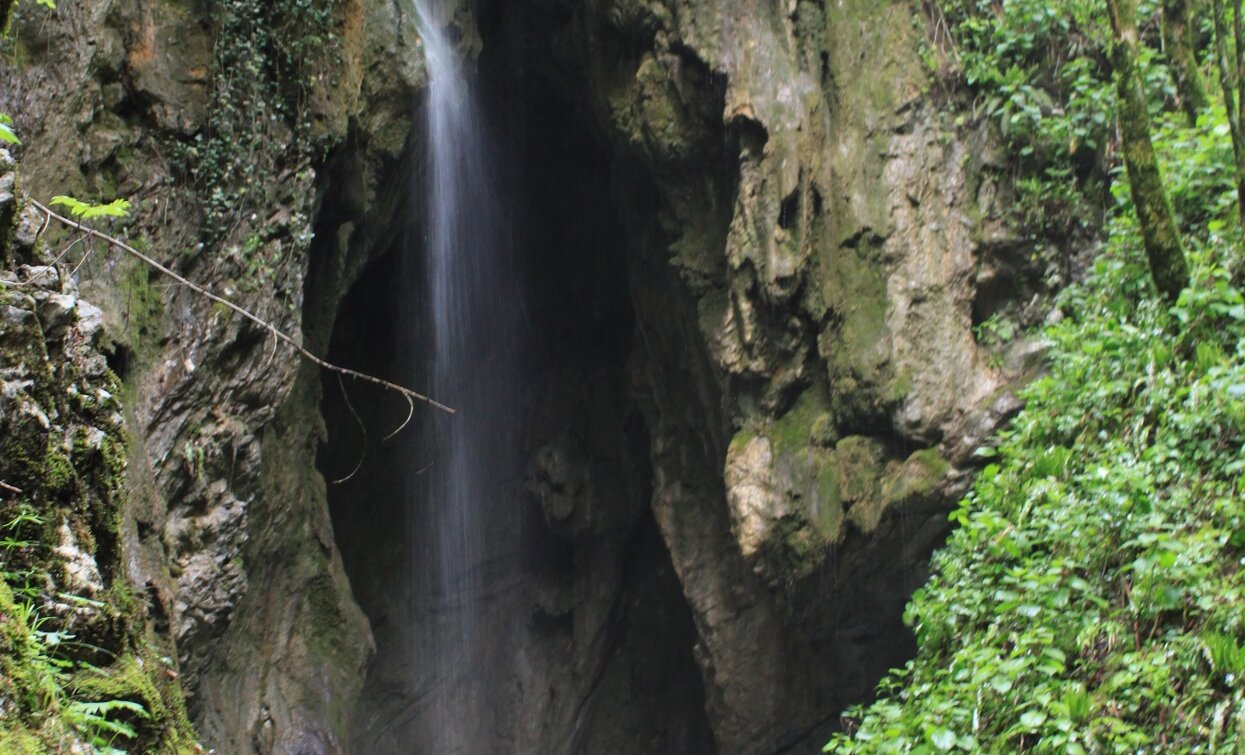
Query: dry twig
[(362, 429), (406, 393)]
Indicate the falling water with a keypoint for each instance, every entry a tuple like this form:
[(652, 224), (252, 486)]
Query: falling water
[(467, 501)]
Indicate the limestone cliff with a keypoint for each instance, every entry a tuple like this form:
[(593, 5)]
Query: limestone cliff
[(79, 642), (782, 232), (810, 238)]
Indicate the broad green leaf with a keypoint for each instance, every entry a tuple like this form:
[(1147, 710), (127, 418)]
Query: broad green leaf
[(1031, 719), (942, 738)]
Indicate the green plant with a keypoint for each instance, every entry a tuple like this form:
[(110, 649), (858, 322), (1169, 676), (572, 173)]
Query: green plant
[(1226, 656), (1094, 573), (6, 130), (18, 536), (1094, 576), (102, 723), (117, 208), (995, 331), (48, 673), (1038, 70), (267, 59)]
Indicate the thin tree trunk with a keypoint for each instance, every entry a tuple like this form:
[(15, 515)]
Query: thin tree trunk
[(1233, 84), (1159, 233), (1183, 55)]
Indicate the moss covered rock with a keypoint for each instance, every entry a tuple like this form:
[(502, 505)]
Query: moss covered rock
[(81, 666)]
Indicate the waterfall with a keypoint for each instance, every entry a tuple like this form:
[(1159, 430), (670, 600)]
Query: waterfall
[(465, 485)]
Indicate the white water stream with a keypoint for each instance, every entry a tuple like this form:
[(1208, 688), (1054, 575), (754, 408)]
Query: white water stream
[(469, 498)]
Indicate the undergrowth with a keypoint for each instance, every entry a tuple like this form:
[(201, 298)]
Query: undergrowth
[(97, 688), (1090, 598)]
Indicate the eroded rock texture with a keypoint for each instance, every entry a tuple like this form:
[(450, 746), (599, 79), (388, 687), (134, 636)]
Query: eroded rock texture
[(187, 110), (806, 235), (63, 464)]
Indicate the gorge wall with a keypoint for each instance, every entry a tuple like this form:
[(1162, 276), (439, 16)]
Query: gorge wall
[(756, 244)]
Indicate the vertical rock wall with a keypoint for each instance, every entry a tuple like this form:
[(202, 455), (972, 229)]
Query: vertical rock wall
[(193, 112), (807, 234), (73, 628)]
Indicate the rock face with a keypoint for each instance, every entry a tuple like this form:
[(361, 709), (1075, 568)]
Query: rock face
[(777, 232), (806, 236), (63, 469), (185, 110)]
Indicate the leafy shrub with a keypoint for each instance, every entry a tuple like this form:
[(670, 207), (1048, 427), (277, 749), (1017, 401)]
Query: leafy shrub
[(1038, 70), (1090, 599)]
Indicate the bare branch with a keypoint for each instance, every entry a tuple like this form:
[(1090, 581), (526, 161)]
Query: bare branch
[(410, 413), (362, 429), (10, 488), (406, 393), (72, 244)]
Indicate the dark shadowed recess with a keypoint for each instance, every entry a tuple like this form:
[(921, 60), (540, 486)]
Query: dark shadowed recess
[(598, 597)]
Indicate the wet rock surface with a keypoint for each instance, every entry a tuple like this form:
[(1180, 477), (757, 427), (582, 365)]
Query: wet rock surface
[(803, 258), (63, 466)]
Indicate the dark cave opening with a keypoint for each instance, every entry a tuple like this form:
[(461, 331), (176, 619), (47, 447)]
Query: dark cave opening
[(608, 653)]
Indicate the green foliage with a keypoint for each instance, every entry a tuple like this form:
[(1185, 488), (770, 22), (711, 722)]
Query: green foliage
[(1039, 67), (1090, 599), (102, 724), (19, 539), (266, 62), (41, 656), (1226, 656), (36, 677), (1039, 70), (6, 130), (117, 208), (995, 331), (1197, 166)]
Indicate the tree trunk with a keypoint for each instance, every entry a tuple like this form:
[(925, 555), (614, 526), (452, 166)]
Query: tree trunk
[(1233, 85), (1182, 53), (1164, 249)]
